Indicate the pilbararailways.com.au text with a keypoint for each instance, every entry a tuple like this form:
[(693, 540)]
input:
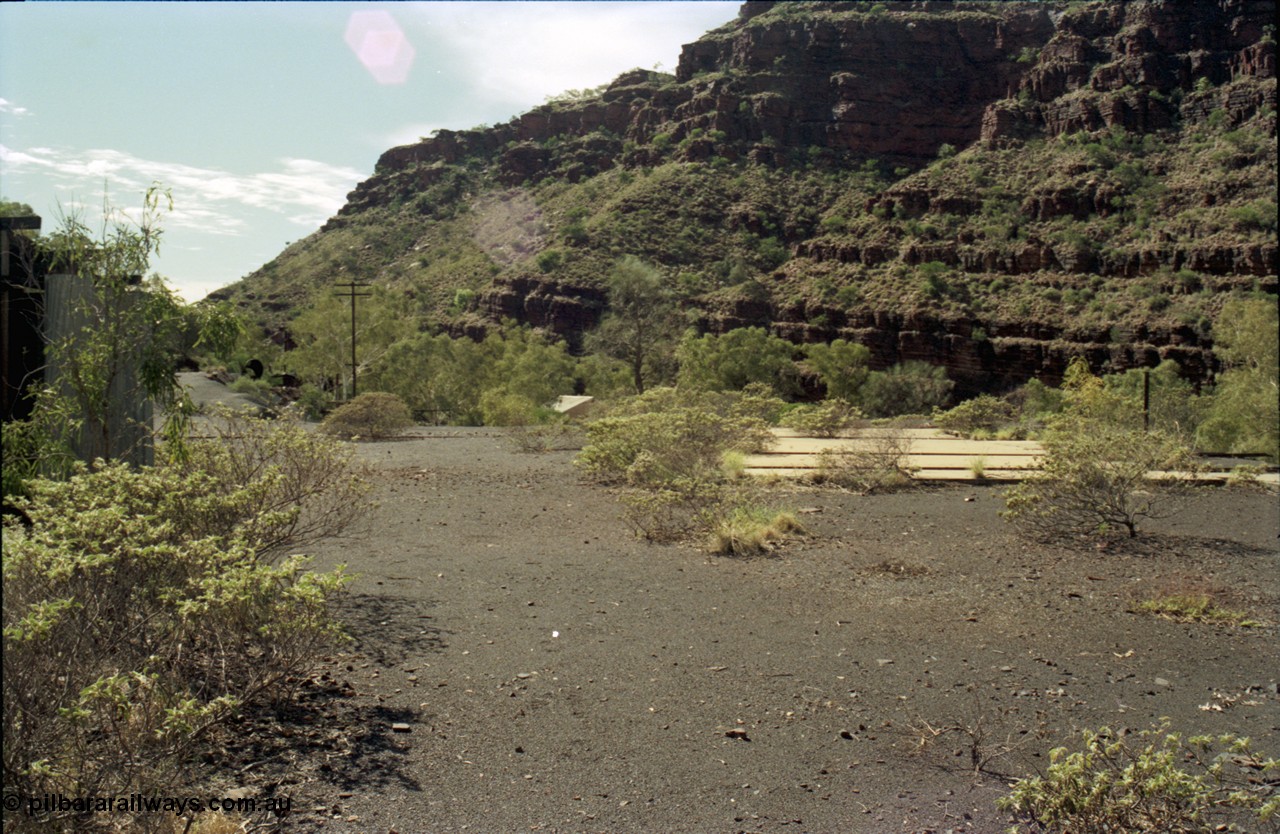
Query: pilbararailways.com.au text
[(53, 803)]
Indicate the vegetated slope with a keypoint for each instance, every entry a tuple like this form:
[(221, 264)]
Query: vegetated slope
[(990, 186)]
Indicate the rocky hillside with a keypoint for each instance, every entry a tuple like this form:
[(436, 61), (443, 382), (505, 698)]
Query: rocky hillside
[(994, 187)]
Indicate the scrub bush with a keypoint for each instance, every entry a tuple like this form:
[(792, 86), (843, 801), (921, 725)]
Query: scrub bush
[(371, 416), (825, 419), (133, 628), (669, 448), (1158, 781), (875, 462), (1099, 472), (982, 413)]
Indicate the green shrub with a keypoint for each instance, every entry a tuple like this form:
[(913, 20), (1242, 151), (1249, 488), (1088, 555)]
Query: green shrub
[(670, 447), (314, 402), (876, 461), (370, 416), (549, 260), (908, 388), (1244, 413), (1096, 475), (983, 412), (136, 620), (660, 449), (826, 419), (1156, 781), (1172, 403), (258, 390), (731, 361), (1035, 403), (842, 366), (756, 400)]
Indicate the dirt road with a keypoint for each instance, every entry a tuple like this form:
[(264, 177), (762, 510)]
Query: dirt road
[(555, 674)]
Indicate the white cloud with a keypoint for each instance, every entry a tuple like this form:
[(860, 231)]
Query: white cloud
[(520, 53), (305, 191), (12, 109)]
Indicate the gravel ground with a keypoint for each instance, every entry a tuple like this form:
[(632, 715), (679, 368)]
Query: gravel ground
[(554, 673)]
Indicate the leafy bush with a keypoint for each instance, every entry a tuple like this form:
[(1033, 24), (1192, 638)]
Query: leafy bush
[(1158, 781), (842, 366), (983, 412), (731, 361), (908, 388), (282, 486), (1035, 403), (1095, 476), (663, 449), (34, 448), (549, 260), (314, 402), (136, 619), (826, 419), (670, 447), (373, 416), (873, 462), (1173, 404), (257, 390), (1244, 414)]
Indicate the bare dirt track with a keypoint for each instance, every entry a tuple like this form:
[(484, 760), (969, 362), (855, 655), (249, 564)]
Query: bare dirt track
[(556, 674)]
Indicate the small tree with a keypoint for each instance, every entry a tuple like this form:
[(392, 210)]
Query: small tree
[(1101, 471), (113, 335), (641, 323), (911, 387), (842, 367), (323, 335)]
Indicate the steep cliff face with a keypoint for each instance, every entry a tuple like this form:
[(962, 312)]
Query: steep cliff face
[(1120, 64), (996, 187)]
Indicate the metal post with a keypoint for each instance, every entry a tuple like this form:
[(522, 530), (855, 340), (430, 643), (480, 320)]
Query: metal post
[(1146, 399), (350, 291)]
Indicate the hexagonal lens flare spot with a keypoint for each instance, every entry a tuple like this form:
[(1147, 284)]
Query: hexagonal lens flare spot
[(377, 40)]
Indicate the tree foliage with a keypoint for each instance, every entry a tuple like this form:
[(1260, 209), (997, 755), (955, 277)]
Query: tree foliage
[(460, 381), (641, 324), (733, 360), (121, 333), (323, 336), (911, 387), (1244, 415), (842, 366)]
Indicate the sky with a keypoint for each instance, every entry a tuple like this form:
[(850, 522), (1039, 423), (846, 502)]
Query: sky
[(260, 117)]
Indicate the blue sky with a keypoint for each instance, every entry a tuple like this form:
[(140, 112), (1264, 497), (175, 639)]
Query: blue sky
[(260, 117)]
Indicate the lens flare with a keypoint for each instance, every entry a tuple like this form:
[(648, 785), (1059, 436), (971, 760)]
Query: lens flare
[(380, 44)]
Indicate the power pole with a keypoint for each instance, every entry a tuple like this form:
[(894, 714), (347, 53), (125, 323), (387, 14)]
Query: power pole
[(349, 290)]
